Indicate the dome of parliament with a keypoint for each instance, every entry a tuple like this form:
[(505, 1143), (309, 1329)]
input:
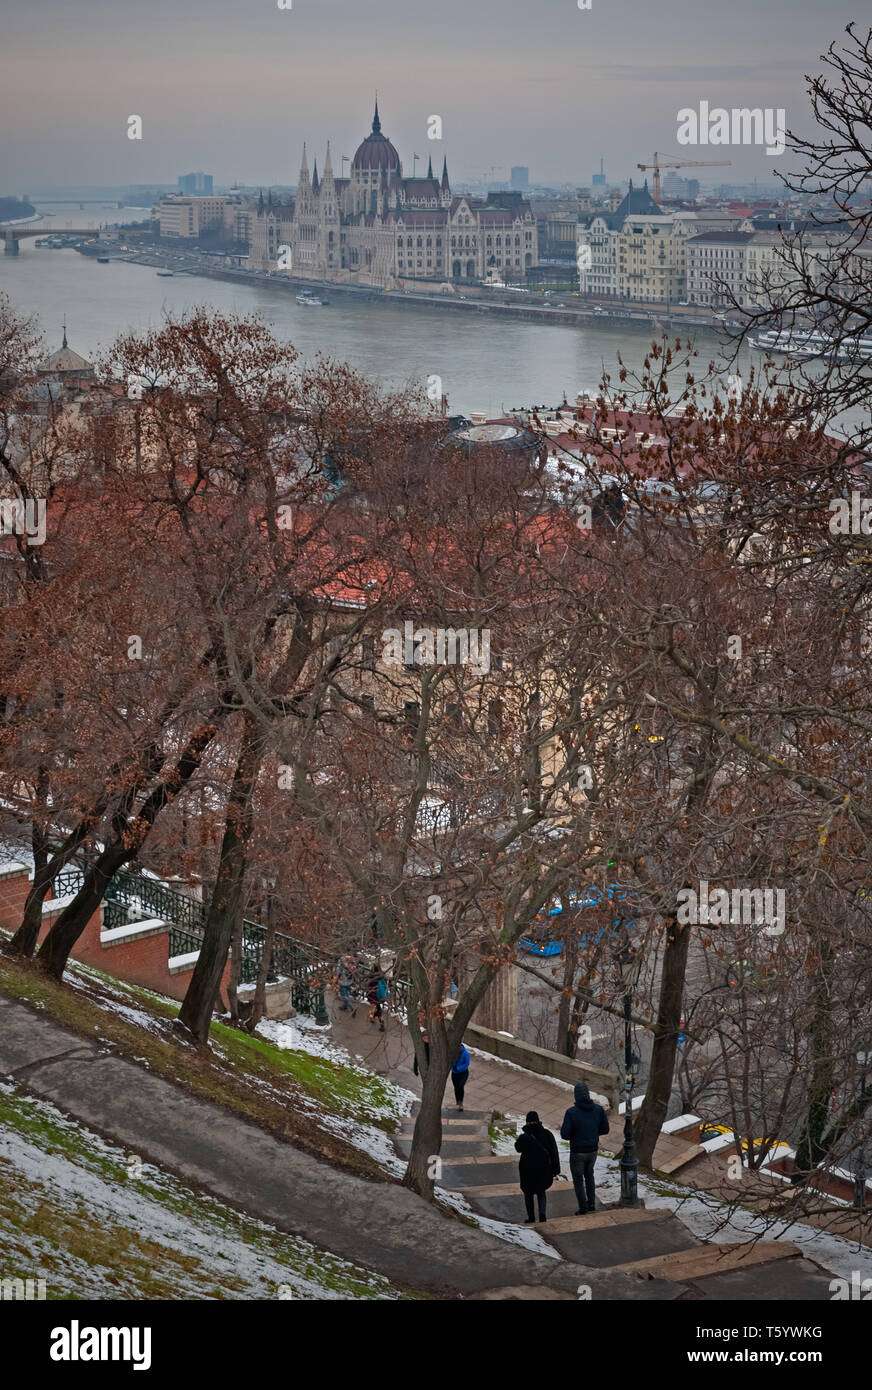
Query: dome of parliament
[(376, 151)]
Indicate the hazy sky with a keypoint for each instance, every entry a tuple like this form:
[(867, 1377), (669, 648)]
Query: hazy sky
[(234, 86)]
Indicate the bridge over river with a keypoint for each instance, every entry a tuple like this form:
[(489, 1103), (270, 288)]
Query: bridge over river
[(12, 235)]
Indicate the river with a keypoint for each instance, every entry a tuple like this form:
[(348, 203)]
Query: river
[(485, 363)]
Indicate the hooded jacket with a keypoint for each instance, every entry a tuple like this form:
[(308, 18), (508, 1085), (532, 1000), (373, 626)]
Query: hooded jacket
[(540, 1160), (583, 1123)]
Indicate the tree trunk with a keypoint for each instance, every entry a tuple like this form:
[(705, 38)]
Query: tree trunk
[(55, 950), (25, 940), (666, 1030), (564, 1012), (235, 967), (45, 870), (812, 1146), (421, 1171), (258, 1008), (130, 835), (226, 904)]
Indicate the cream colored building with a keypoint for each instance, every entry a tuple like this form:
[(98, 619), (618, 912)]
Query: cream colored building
[(651, 259), (186, 217)]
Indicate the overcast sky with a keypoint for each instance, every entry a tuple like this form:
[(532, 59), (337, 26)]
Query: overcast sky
[(234, 86)]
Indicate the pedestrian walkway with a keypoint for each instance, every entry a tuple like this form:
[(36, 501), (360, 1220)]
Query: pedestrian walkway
[(648, 1245), (378, 1225), (494, 1086)]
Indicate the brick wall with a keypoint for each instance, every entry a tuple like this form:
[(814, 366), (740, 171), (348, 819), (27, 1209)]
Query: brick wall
[(141, 960)]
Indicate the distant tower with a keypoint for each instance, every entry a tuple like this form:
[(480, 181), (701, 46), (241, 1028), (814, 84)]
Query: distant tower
[(328, 219)]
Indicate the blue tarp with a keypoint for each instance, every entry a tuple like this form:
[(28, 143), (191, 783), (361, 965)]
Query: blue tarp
[(586, 897)]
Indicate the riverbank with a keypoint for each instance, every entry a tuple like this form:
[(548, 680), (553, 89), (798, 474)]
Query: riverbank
[(475, 301)]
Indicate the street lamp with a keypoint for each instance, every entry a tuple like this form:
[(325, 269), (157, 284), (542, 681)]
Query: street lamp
[(629, 964)]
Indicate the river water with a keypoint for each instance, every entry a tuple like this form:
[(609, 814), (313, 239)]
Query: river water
[(485, 362)]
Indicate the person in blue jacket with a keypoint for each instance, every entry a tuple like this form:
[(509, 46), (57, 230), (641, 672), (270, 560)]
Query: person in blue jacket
[(460, 1075), (583, 1124)]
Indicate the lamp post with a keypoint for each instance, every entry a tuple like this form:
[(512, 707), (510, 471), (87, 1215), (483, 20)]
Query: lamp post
[(628, 965)]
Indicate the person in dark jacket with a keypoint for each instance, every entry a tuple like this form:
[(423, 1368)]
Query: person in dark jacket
[(583, 1124), (539, 1163), (460, 1075)]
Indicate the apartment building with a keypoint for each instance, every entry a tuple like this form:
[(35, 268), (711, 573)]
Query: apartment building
[(180, 215), (716, 267)]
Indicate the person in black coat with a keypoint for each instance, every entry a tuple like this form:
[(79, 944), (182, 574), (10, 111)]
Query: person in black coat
[(583, 1124), (539, 1164)]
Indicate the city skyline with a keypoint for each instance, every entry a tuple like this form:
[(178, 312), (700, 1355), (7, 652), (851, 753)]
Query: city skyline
[(225, 88)]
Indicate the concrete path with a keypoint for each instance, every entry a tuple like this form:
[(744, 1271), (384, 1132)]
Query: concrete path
[(493, 1084), (651, 1244), (377, 1225)]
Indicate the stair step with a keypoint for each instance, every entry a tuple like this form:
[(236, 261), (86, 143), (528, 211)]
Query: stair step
[(472, 1172), (461, 1128), (608, 1245), (505, 1201), (703, 1260), (450, 1112), (454, 1148), (598, 1220)]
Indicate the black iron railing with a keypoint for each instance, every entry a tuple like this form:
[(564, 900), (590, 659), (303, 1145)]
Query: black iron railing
[(132, 897)]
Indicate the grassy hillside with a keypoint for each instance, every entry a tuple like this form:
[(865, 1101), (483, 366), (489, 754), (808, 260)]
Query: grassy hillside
[(313, 1100), (96, 1223)]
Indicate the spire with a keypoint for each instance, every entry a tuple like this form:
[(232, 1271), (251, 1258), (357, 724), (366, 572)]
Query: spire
[(328, 165), (64, 343), (430, 168), (315, 180), (445, 171), (260, 204), (304, 167), (376, 123)]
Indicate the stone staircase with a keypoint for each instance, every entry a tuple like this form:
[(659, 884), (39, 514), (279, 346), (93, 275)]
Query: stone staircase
[(647, 1244)]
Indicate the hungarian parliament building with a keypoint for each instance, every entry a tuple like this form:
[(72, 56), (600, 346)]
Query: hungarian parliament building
[(381, 229)]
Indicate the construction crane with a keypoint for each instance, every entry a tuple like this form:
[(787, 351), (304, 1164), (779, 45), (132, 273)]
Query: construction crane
[(680, 164)]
